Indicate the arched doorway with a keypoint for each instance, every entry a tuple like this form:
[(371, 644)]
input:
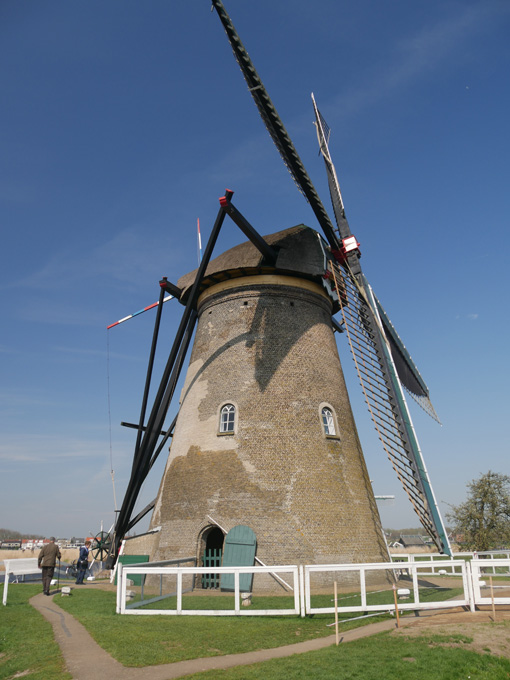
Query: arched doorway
[(212, 551)]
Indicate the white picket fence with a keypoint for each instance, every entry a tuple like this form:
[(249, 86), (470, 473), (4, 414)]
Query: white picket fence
[(487, 588), (470, 577), (414, 571), (483, 578), (438, 562), (124, 573)]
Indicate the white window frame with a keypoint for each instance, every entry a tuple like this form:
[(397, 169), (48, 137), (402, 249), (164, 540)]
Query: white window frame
[(328, 422), (227, 409)]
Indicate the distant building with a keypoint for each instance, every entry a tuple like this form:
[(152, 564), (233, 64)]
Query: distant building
[(412, 541)]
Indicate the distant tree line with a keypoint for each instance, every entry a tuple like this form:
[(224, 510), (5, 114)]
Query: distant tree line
[(8, 533)]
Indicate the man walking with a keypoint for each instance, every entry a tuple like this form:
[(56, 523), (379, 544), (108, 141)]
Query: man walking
[(46, 561)]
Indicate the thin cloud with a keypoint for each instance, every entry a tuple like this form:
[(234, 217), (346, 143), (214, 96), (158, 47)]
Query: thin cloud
[(131, 250), (84, 352), (59, 312), (470, 317), (8, 350), (80, 351), (418, 56), (29, 398), (40, 449)]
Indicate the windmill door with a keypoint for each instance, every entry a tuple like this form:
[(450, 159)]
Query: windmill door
[(211, 557), (239, 551)]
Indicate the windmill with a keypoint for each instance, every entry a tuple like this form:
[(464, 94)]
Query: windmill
[(265, 436)]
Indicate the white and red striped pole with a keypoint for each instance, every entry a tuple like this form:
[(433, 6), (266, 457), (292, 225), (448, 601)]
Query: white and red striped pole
[(140, 311)]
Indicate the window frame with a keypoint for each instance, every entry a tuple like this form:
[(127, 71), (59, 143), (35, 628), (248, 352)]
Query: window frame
[(333, 420), (233, 421)]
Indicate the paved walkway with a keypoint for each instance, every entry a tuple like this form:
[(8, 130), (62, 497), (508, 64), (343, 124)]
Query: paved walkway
[(80, 651)]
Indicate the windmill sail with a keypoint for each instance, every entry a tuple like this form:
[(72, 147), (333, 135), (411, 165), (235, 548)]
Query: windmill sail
[(275, 127), (323, 133), (385, 399), (371, 349), (384, 366), (406, 368)]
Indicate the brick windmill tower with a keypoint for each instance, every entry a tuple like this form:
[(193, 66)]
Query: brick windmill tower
[(265, 436)]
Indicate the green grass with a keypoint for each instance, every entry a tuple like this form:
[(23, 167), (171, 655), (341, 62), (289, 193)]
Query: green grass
[(27, 644), (427, 594), (381, 657), (142, 640), (26, 639), (217, 601)]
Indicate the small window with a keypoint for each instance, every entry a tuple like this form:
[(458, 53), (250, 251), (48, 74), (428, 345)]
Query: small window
[(328, 422), (227, 418)]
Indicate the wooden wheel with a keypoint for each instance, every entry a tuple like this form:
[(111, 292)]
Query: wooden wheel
[(101, 545)]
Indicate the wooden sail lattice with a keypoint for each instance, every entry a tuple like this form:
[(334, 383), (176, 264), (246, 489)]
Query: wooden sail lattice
[(361, 327)]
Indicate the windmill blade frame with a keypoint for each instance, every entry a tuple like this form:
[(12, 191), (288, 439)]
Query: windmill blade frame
[(385, 399), (275, 126), (391, 368), (323, 134), (406, 368)]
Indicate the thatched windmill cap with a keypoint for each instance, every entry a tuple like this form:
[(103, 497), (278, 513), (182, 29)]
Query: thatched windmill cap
[(301, 252)]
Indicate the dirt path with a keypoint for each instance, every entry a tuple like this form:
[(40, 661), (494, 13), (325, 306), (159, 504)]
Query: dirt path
[(79, 649), (486, 635)]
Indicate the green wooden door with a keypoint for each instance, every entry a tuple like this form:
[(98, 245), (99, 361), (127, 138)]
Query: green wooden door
[(239, 551)]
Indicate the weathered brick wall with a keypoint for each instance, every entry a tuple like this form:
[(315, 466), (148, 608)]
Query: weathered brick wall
[(140, 545), (268, 349)]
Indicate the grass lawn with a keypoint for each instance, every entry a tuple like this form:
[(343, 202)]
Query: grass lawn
[(143, 641), (27, 644), (26, 639), (380, 657)]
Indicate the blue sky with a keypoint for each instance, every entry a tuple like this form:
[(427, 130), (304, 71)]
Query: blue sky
[(123, 122)]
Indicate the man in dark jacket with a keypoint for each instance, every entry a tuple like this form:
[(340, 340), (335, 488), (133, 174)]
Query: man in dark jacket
[(46, 561), (83, 563)]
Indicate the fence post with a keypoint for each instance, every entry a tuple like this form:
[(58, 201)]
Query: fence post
[(363, 588), (6, 585), (492, 599), (336, 613), (396, 604), (471, 589), (123, 588), (416, 591), (301, 585), (119, 587), (236, 592), (179, 592)]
